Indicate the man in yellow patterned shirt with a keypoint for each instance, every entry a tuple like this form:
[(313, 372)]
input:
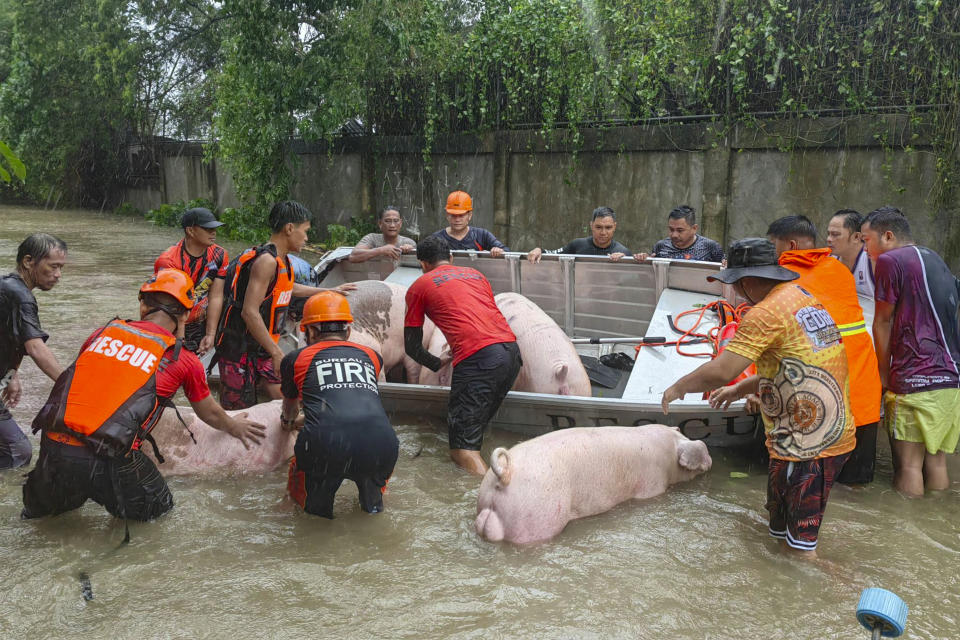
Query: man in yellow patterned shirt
[(802, 382)]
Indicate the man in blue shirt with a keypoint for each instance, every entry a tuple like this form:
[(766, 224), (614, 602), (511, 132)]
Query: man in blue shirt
[(460, 235), (684, 243)]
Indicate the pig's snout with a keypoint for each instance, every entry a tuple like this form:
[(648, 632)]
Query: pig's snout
[(488, 525), (500, 463)]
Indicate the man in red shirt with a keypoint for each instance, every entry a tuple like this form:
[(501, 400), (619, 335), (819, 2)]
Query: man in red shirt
[(200, 257), (92, 432), (486, 359)]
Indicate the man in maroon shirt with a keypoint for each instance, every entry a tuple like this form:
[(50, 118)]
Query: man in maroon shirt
[(486, 359), (87, 452)]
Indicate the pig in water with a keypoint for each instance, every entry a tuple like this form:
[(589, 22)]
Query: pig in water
[(218, 451), (550, 361), (533, 490), (378, 310)]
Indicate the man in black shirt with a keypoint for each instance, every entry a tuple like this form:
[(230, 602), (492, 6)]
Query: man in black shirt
[(603, 224), (40, 259)]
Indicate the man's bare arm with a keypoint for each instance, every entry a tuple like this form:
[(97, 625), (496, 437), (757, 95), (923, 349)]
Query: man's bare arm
[(882, 328), (38, 350)]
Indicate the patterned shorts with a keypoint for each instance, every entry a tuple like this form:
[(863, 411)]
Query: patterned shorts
[(238, 382), (797, 495)]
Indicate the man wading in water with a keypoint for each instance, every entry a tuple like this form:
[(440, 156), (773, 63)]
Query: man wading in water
[(257, 292), (40, 260), (92, 432)]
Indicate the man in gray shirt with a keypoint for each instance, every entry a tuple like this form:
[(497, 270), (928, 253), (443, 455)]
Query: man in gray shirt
[(386, 244)]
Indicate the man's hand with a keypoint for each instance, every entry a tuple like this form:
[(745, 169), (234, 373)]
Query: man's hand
[(446, 357), (496, 252), (277, 357), (347, 286), (206, 343), (753, 403), (671, 394), (11, 394), (534, 256), (722, 397), (391, 251), (246, 431), (408, 248), (615, 257), (640, 257)]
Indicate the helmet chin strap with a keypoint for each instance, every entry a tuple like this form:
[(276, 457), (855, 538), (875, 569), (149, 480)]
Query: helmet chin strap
[(173, 316)]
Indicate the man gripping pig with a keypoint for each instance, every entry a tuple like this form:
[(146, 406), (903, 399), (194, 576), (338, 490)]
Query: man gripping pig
[(105, 404), (345, 432), (483, 349)]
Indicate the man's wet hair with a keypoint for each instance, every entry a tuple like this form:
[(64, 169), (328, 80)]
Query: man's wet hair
[(433, 249), (889, 218), (288, 211), (603, 212), (383, 211), (684, 212), (792, 228), (38, 246), (852, 219)]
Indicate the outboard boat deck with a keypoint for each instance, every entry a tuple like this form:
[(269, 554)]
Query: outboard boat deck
[(606, 307)]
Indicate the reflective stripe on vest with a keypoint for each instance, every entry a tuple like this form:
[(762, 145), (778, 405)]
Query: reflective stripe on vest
[(852, 328), (109, 393)]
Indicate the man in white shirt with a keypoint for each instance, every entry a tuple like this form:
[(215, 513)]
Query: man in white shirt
[(846, 243)]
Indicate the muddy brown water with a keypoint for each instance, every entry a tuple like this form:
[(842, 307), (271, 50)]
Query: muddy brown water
[(235, 559)]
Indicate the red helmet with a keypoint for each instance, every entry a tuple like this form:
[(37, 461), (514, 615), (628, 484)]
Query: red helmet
[(172, 282), (326, 306)]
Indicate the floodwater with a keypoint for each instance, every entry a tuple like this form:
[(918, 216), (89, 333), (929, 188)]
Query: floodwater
[(235, 559)]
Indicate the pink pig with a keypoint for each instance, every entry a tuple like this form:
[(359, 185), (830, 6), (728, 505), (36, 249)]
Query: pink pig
[(550, 361), (378, 310), (532, 491), (216, 450)]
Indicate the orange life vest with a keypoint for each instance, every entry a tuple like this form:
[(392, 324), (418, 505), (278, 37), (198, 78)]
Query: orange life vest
[(233, 339), (107, 399), (203, 275)]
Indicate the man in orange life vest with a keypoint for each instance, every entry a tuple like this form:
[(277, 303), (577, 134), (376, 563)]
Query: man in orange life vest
[(830, 282), (92, 431), (345, 432), (258, 287), (200, 257)]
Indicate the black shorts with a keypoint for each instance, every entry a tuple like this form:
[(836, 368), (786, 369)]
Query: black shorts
[(67, 476), (862, 461), (480, 383), (15, 448), (315, 493)]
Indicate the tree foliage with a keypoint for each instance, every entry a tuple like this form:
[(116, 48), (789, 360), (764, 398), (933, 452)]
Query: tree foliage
[(256, 75)]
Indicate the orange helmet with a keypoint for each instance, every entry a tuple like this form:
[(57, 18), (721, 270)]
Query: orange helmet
[(459, 202), (172, 282), (326, 306)]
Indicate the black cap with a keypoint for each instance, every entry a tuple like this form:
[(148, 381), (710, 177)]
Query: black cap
[(756, 257), (200, 217)]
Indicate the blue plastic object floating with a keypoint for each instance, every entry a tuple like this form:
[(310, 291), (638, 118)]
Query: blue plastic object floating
[(883, 608)]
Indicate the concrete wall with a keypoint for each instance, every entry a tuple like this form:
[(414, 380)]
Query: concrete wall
[(532, 191)]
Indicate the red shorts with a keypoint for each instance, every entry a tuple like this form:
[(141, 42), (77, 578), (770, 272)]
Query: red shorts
[(238, 382), (797, 495)]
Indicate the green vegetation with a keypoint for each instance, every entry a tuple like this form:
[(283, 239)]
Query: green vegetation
[(253, 76)]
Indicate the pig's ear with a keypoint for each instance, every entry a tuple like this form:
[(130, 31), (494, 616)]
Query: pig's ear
[(693, 455)]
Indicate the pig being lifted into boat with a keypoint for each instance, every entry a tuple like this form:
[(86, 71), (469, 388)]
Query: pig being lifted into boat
[(533, 490), (550, 361), (216, 450), (378, 309)]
